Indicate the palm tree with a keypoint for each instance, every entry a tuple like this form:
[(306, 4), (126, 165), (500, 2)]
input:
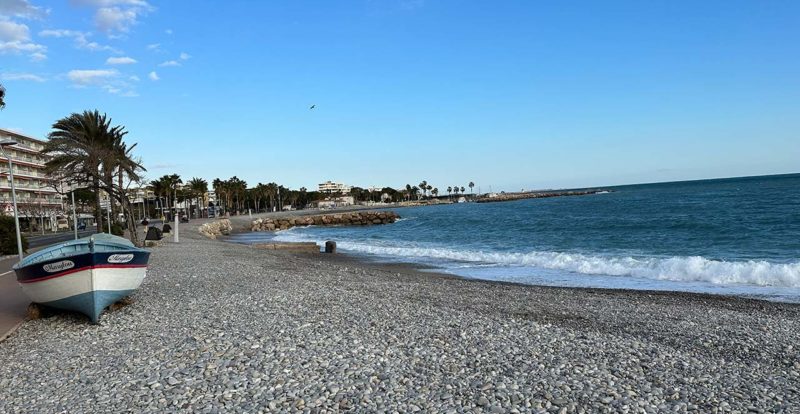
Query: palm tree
[(78, 145), (415, 192), (84, 148), (169, 186), (471, 185), (424, 187), (449, 190), (175, 181), (198, 188), (272, 193), (118, 162), (159, 188), (435, 192), (238, 188), (127, 168), (408, 191), (462, 190), (2, 97)]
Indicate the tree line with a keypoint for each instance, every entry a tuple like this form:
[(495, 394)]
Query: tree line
[(235, 196)]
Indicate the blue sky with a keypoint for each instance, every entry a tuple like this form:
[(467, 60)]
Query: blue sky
[(509, 94)]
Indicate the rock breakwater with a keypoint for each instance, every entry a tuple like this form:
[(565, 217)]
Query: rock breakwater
[(358, 218), (216, 228), (539, 194)]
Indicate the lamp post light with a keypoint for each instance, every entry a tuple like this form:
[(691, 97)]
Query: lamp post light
[(3, 144)]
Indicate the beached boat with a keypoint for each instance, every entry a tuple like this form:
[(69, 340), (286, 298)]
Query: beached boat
[(85, 275)]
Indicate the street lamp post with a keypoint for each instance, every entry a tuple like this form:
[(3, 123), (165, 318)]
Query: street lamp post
[(176, 221), (74, 214), (3, 144)]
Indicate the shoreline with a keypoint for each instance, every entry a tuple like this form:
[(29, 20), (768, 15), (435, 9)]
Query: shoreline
[(224, 327), (427, 269)]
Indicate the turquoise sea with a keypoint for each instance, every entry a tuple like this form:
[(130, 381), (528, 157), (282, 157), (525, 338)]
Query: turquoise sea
[(737, 236)]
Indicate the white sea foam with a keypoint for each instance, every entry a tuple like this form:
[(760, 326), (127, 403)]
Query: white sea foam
[(680, 268)]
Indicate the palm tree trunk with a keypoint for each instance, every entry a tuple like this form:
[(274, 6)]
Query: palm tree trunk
[(133, 234), (123, 195), (98, 214)]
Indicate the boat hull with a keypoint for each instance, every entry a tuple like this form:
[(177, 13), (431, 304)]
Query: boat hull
[(86, 283)]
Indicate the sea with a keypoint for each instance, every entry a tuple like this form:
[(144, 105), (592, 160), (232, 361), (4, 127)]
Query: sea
[(736, 236)]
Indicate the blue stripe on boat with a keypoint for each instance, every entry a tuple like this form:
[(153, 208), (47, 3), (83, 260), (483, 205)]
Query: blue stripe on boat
[(90, 303)]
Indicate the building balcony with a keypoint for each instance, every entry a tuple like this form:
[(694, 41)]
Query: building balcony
[(26, 161), (27, 188), (25, 174)]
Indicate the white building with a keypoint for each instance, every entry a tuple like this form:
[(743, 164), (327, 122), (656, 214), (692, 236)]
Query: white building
[(331, 187), (37, 199)]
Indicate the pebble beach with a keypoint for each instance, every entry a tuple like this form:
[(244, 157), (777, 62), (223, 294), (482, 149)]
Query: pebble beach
[(220, 327)]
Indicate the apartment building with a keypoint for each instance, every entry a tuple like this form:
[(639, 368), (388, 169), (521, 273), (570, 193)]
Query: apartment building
[(331, 187), (38, 201)]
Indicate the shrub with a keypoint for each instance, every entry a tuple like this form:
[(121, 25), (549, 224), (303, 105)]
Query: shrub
[(8, 236), (117, 230)]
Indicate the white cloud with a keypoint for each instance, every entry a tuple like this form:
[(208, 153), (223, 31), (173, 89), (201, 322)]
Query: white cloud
[(185, 56), (123, 60), (21, 77), (109, 3), (153, 76), (116, 16), (21, 8), (111, 19), (134, 78), (169, 63), (153, 46), (91, 76), (38, 56), (81, 40), (59, 33), (15, 38), (168, 31), (11, 31), (108, 80)]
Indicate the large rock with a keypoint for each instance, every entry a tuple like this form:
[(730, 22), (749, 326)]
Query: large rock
[(217, 228)]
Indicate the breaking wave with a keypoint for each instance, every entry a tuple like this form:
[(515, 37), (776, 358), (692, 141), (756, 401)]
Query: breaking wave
[(678, 268)]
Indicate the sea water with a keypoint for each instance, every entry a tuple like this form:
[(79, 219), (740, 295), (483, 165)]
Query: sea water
[(729, 236)]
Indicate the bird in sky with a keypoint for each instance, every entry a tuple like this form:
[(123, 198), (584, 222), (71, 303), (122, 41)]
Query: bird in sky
[(313, 106)]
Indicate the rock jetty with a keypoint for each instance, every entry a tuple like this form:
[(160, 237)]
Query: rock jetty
[(357, 218), (216, 228), (538, 194)]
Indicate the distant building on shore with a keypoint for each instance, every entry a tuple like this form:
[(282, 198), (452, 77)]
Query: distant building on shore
[(331, 187), (335, 202), (37, 199)]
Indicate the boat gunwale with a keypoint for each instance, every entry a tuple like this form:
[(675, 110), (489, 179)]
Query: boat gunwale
[(27, 261)]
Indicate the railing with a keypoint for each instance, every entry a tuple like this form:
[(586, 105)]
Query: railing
[(24, 200), (27, 187), (30, 160), (24, 173)]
